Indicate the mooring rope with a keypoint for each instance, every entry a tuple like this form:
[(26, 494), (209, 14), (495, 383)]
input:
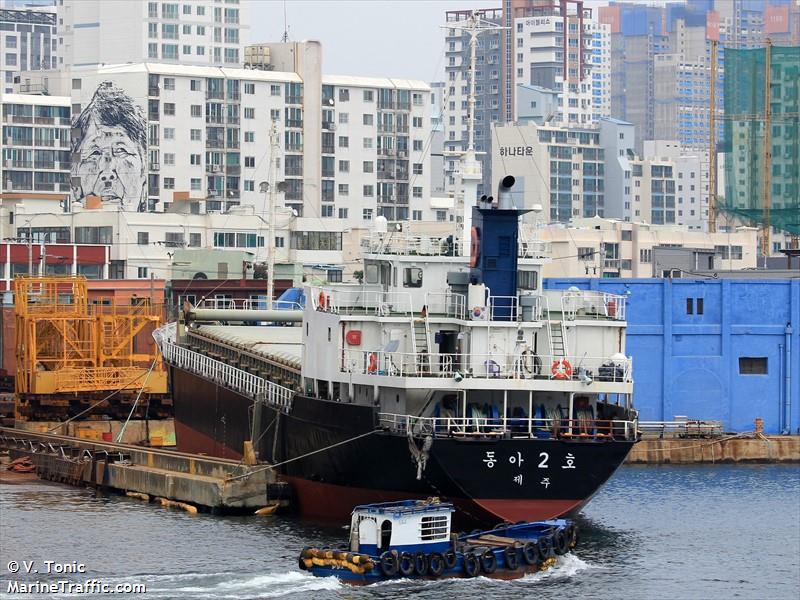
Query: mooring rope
[(268, 467)]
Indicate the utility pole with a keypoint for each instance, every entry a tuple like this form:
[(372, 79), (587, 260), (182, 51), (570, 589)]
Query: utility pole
[(274, 147), (712, 143), (767, 178)]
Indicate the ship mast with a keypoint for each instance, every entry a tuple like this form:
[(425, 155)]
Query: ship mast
[(469, 165)]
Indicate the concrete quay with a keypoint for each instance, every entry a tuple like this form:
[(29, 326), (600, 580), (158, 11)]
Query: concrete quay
[(211, 484), (746, 448)]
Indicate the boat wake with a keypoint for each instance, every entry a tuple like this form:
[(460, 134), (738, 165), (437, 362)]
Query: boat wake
[(567, 566), (239, 587)]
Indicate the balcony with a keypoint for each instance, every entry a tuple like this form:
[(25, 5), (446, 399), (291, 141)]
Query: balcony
[(294, 123), (329, 126), (46, 143), (234, 95), (385, 151), (20, 164), (44, 120), (233, 169), (153, 90), (293, 171), (233, 120), (294, 147), (385, 127), (385, 175), (44, 187), (233, 144), (215, 143), (45, 164), (294, 99), (21, 119), (385, 199), (215, 120), (328, 150), (213, 168), (402, 128), (328, 174), (215, 95)]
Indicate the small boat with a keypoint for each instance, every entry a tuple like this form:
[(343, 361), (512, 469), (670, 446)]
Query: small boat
[(412, 539)]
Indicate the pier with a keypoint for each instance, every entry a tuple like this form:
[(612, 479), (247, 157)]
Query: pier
[(209, 484)]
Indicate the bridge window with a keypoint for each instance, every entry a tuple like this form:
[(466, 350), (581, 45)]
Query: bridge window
[(386, 533), (433, 528), (749, 365), (412, 277)]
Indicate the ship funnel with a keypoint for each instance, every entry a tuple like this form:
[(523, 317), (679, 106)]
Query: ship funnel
[(504, 200)]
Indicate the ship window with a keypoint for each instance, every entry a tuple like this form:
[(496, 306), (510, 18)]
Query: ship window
[(528, 280), (372, 273), (749, 365), (699, 306), (412, 277), (386, 533), (433, 528), (690, 306)]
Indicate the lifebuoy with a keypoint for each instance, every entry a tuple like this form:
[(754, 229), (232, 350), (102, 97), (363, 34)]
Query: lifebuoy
[(389, 563), (561, 369), (436, 564), (511, 558), (372, 365), (321, 301)]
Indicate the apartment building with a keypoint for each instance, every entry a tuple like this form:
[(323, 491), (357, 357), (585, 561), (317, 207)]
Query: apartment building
[(190, 32), (599, 247), (35, 145), (28, 41)]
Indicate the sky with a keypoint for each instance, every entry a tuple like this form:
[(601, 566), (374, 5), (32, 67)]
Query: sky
[(402, 39)]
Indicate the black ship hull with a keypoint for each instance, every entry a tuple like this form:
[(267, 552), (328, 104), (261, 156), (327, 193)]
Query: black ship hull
[(335, 458)]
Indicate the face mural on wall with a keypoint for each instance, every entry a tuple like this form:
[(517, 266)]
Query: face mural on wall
[(109, 146)]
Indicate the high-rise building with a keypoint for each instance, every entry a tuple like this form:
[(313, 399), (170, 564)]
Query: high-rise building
[(28, 41), (190, 32)]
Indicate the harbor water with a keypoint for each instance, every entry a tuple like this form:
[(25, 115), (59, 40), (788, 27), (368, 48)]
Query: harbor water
[(652, 532)]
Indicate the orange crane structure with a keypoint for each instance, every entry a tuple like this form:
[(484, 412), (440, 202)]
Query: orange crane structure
[(72, 353)]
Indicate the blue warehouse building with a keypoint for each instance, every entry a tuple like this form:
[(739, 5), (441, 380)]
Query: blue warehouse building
[(713, 349)]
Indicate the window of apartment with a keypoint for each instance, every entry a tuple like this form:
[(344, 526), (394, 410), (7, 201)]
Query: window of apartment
[(585, 254), (201, 50), (645, 255), (94, 235), (274, 90), (344, 166), (250, 88), (369, 96), (187, 30), (366, 214), (275, 114), (367, 142), (169, 183), (196, 110), (249, 185), (417, 145), (441, 216), (279, 242), (344, 95), (169, 109), (196, 183), (249, 113), (326, 210), (368, 166), (626, 235), (417, 169), (195, 135), (249, 136), (736, 252), (169, 31), (249, 162), (143, 238), (369, 191), (749, 365), (169, 133), (343, 213), (416, 122), (344, 189), (141, 272), (152, 50), (194, 159), (368, 119), (169, 158), (343, 118), (344, 141), (416, 215)]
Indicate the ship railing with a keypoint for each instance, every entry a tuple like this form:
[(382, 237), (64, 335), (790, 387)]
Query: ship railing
[(582, 305), (362, 302), (513, 427), (165, 333), (450, 304), (504, 306), (227, 376), (404, 244), (681, 429), (534, 249), (521, 365)]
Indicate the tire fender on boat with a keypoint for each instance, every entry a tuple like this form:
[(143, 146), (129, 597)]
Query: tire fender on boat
[(406, 564), (529, 553), (389, 563), (545, 545), (488, 562), (572, 535), (436, 563), (560, 542), (471, 567), (449, 559), (420, 563), (511, 558)]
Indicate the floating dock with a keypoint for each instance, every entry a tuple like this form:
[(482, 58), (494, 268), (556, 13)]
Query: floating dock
[(730, 449), (210, 484)]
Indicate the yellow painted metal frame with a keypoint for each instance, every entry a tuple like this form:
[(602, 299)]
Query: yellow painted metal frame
[(64, 343)]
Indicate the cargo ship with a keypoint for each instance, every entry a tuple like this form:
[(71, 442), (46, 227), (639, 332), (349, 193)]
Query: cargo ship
[(439, 374)]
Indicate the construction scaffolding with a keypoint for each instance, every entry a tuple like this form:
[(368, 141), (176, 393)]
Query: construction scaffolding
[(762, 138), (69, 348)]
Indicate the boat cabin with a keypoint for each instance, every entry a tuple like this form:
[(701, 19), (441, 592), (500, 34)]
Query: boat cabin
[(405, 526)]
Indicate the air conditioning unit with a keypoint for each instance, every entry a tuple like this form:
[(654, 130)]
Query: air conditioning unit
[(155, 167)]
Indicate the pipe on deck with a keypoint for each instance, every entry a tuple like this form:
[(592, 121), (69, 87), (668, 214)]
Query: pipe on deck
[(234, 314)]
